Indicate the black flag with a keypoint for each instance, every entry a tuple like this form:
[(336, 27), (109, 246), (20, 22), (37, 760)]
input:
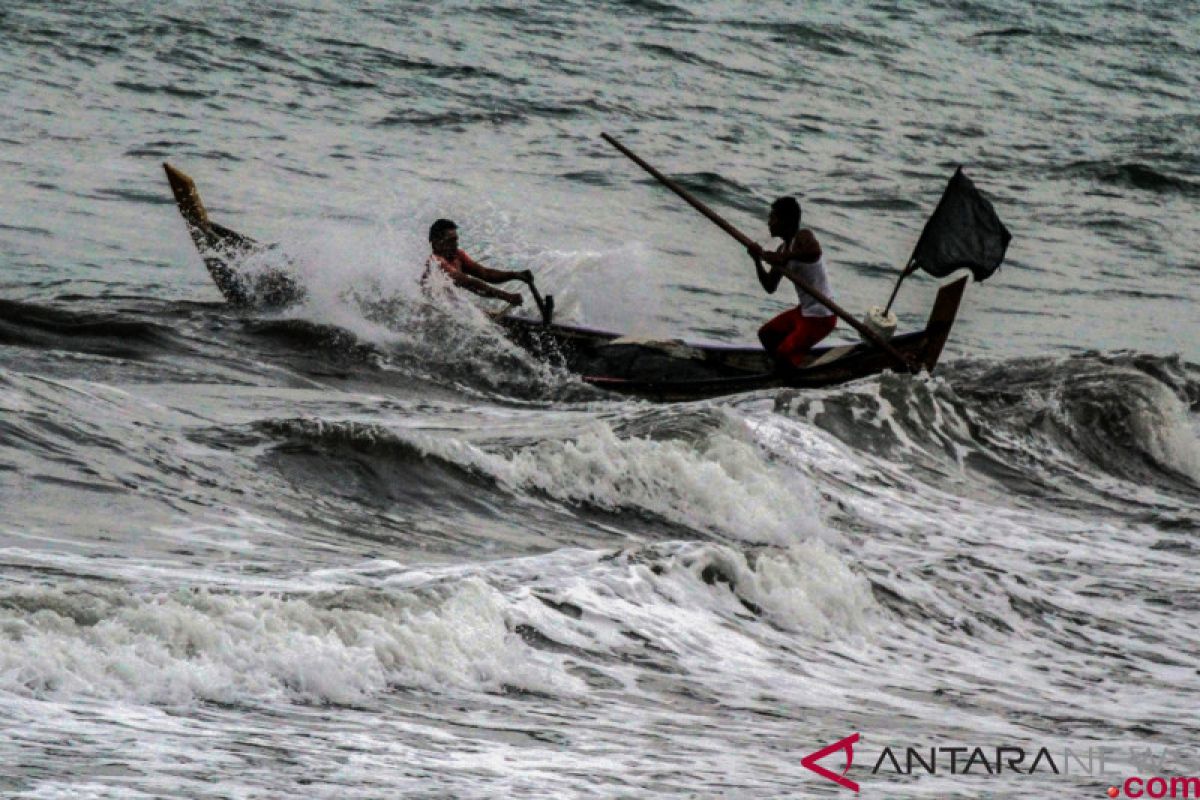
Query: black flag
[(964, 232)]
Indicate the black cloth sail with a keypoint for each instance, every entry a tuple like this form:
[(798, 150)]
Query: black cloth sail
[(964, 232)]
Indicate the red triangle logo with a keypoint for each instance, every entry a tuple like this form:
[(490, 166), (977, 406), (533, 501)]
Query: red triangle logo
[(847, 744)]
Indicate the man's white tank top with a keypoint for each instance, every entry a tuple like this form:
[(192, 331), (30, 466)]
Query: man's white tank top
[(812, 273)]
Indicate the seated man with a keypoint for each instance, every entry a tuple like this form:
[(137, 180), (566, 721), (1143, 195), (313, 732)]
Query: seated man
[(789, 336), (464, 271)]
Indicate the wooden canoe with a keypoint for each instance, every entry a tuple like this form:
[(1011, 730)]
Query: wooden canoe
[(670, 370)]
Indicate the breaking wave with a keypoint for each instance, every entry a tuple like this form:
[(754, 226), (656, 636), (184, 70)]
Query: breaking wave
[(1028, 424), (711, 476)]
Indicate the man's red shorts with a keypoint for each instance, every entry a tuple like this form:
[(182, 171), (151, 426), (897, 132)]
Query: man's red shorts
[(789, 336)]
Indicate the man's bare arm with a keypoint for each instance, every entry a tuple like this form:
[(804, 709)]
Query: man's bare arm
[(477, 286), (477, 270), (768, 278)]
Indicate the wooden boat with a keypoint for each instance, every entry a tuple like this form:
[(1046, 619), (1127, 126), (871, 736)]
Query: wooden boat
[(669, 370)]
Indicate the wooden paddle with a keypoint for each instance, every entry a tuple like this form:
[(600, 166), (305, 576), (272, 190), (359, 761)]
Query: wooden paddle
[(545, 307), (746, 241)]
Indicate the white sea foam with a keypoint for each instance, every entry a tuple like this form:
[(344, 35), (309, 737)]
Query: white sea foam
[(809, 587), (231, 648), (344, 270), (451, 630), (705, 613), (1169, 433), (721, 483)]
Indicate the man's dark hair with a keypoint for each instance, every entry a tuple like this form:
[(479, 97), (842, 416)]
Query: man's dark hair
[(787, 209), (437, 229)]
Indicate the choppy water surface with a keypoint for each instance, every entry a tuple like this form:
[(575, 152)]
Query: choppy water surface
[(335, 556)]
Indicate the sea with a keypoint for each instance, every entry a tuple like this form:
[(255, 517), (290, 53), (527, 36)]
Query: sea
[(317, 553)]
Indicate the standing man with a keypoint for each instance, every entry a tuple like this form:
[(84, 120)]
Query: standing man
[(463, 270), (789, 336)]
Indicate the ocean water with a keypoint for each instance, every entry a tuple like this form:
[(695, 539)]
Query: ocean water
[(317, 554)]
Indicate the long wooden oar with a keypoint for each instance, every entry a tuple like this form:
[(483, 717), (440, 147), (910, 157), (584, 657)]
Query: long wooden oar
[(746, 241)]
